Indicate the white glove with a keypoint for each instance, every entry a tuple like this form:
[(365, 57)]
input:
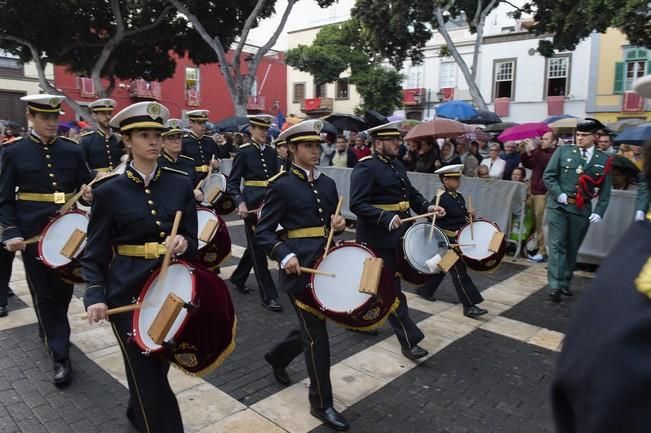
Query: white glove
[(639, 215), (562, 199), (594, 218)]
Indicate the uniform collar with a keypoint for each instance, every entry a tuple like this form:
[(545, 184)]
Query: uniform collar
[(193, 135), (167, 156), (35, 137), (382, 158), (102, 133), (303, 173), (135, 176), (258, 145)]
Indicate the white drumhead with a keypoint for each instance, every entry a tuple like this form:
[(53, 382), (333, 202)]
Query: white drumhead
[(418, 247), (57, 234), (482, 233), (341, 293), (203, 216), (177, 281), (212, 182)]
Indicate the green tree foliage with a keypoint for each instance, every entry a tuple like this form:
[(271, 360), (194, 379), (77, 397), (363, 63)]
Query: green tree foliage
[(569, 22), (338, 48)]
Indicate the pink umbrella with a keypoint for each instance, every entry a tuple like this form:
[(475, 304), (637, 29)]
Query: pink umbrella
[(525, 130), (437, 128)]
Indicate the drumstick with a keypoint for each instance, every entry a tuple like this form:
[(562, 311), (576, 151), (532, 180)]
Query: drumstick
[(472, 234), (168, 254), (317, 272), (463, 245), (200, 183), (425, 215), (439, 193), (332, 227), (67, 205), (32, 240), (118, 310), (253, 210)]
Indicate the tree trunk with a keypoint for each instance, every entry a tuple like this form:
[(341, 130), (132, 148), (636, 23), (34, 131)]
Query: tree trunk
[(473, 88)]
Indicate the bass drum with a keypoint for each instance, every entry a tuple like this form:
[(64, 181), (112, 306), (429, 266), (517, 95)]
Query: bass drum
[(203, 334), (338, 298), (216, 248), (474, 244), (416, 248)]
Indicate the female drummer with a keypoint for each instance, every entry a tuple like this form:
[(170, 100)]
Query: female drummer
[(132, 216), (303, 201), (455, 217)]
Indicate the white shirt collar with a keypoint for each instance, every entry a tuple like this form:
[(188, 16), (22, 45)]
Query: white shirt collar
[(588, 151), (146, 178), (315, 172)]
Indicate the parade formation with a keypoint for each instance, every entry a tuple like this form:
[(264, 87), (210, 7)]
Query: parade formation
[(350, 222)]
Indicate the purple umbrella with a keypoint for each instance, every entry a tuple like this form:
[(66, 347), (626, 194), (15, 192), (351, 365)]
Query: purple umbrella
[(525, 130)]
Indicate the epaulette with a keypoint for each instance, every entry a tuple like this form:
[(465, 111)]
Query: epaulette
[(69, 139), (187, 157), (87, 133), (242, 146), (186, 135), (173, 170), (365, 158), (276, 176)]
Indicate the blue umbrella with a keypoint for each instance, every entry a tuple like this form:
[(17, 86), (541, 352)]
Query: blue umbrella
[(553, 119), (637, 135), (457, 110)]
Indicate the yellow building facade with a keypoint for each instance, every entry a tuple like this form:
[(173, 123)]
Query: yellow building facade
[(615, 65)]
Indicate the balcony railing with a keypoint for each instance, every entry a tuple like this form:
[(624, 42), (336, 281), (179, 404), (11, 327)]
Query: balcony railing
[(317, 105), (145, 89)]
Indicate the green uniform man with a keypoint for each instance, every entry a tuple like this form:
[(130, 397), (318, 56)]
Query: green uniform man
[(574, 175)]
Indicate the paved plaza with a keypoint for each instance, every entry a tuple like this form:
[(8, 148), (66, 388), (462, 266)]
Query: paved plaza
[(487, 375)]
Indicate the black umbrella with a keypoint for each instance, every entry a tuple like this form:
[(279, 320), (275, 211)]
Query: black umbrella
[(483, 117), (499, 127), (231, 124), (329, 128), (373, 118), (348, 122)]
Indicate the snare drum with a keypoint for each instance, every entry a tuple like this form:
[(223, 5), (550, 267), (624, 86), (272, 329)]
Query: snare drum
[(214, 245), (66, 231), (214, 192), (474, 246), (203, 334), (339, 299), (417, 248)]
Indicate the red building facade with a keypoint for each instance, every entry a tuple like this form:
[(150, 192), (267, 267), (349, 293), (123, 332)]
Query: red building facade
[(190, 88)]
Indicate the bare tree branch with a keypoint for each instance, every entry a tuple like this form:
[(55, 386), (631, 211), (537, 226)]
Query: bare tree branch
[(248, 25), (479, 35), (271, 42)]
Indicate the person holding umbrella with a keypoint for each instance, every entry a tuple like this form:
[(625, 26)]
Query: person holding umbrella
[(574, 175)]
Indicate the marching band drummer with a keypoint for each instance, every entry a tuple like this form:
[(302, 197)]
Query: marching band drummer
[(136, 227), (171, 156), (282, 155), (46, 170), (303, 201), (380, 195), (198, 145), (102, 150), (456, 216)]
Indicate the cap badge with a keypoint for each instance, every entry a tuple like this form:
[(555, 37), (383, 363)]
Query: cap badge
[(318, 126), (54, 102), (153, 110)]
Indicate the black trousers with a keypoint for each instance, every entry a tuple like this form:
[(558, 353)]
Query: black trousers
[(152, 404), (6, 262), (311, 338), (409, 335), (254, 257), (466, 290), (51, 296)]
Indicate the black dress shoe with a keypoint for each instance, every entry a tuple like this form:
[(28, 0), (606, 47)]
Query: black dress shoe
[(272, 305), (3, 311), (414, 353), (555, 295), (566, 291), (474, 311), (241, 288), (371, 332), (280, 373), (62, 373), (331, 418)]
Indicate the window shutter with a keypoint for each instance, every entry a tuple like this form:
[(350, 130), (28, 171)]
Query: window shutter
[(618, 87)]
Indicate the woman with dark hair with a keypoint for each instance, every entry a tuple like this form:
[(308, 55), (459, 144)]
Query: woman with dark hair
[(474, 151), (137, 227), (427, 156)]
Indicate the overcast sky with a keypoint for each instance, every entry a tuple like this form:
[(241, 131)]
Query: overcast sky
[(306, 13)]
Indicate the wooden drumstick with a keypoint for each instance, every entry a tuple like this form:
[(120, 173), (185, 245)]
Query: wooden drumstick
[(425, 215), (118, 310), (32, 240), (253, 210), (463, 245), (332, 227), (168, 254), (317, 272), (200, 183), (68, 205), (439, 193), (472, 234)]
